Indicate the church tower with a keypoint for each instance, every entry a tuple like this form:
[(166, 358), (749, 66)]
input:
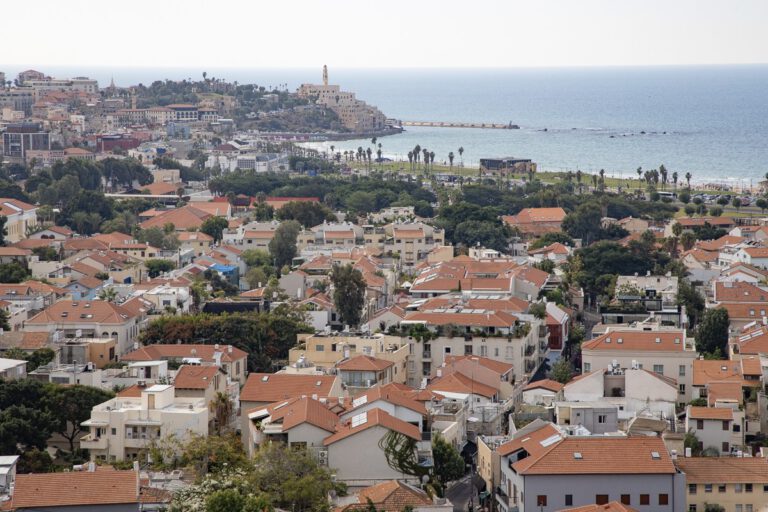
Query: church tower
[(325, 75)]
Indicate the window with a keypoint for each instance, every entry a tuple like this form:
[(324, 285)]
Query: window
[(541, 500), (738, 487), (692, 508), (601, 418), (658, 368), (736, 427), (587, 367), (748, 487), (681, 388), (319, 348), (114, 431), (601, 499), (681, 370), (725, 447), (663, 499), (726, 426), (707, 487), (748, 508), (699, 424), (739, 508), (691, 488), (569, 500), (765, 488), (645, 499), (721, 488), (626, 499)]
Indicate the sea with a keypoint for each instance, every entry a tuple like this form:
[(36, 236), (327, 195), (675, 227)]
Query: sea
[(710, 121)]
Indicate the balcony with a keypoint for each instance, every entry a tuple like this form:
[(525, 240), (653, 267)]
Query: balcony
[(426, 355), (92, 442), (138, 441), (529, 350)]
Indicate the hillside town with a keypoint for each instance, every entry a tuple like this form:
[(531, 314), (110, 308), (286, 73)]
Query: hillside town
[(196, 308)]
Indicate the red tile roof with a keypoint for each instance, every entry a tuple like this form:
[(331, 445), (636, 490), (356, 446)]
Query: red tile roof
[(179, 351), (710, 413), (631, 340), (548, 384), (82, 311), (391, 496), (272, 387), (297, 411), (83, 488), (373, 418), (459, 383), (195, 377), (364, 363)]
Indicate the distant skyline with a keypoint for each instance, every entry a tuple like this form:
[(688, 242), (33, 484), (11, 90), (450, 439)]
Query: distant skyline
[(393, 34)]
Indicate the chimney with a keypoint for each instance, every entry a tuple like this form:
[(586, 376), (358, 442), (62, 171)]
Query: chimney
[(91, 467), (673, 454), (229, 349), (688, 452)]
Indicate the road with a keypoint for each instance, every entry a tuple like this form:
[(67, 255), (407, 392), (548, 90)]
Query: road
[(459, 494)]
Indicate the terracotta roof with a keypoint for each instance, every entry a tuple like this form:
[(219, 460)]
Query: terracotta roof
[(750, 365), (195, 377), (81, 488), (702, 255), (508, 304), (84, 269), (611, 506), (729, 391), (82, 311), (390, 496), (296, 411), (706, 371), (160, 189), (757, 252), (745, 310), (182, 218), (180, 351), (408, 233), (486, 319), (370, 419), (548, 384), (754, 341), (531, 442), (255, 293), (194, 236), (700, 221), (89, 282), (631, 340), (555, 248), (254, 234), (14, 251), (459, 383), (710, 413), (272, 387), (723, 241), (131, 391), (10, 206), (34, 340), (587, 455), (724, 470), (491, 364), (739, 291), (393, 394), (533, 215), (339, 234), (364, 363)]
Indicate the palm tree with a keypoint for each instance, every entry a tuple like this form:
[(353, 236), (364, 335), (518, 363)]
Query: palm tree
[(639, 178), (432, 159), (450, 159), (578, 178), (332, 148), (373, 141), (368, 154), (417, 153), (602, 180), (410, 159), (378, 155), (688, 179), (675, 177), (425, 151), (461, 156), (594, 181), (108, 294), (663, 172)]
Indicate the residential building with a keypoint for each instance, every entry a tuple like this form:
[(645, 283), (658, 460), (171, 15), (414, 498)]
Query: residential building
[(20, 218), (90, 319), (361, 372), (12, 369), (640, 297), (534, 222), (325, 351), (738, 484), (233, 360), (542, 392), (395, 496), (662, 350), (545, 471), (124, 427), (720, 428), (96, 488)]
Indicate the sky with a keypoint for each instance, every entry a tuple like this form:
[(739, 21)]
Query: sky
[(383, 34)]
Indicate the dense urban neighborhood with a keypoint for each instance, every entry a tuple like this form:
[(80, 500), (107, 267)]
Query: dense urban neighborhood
[(200, 311)]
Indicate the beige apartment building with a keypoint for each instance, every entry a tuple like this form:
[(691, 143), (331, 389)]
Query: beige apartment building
[(20, 216), (123, 428), (738, 484), (325, 351), (661, 350)]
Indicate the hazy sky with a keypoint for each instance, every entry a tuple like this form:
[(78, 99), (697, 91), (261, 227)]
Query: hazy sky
[(385, 33)]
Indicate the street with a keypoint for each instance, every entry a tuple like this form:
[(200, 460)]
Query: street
[(460, 493)]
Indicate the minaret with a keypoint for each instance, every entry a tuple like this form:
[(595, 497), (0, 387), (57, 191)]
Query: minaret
[(325, 75)]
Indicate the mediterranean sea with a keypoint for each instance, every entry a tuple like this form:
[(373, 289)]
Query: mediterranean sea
[(710, 121)]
